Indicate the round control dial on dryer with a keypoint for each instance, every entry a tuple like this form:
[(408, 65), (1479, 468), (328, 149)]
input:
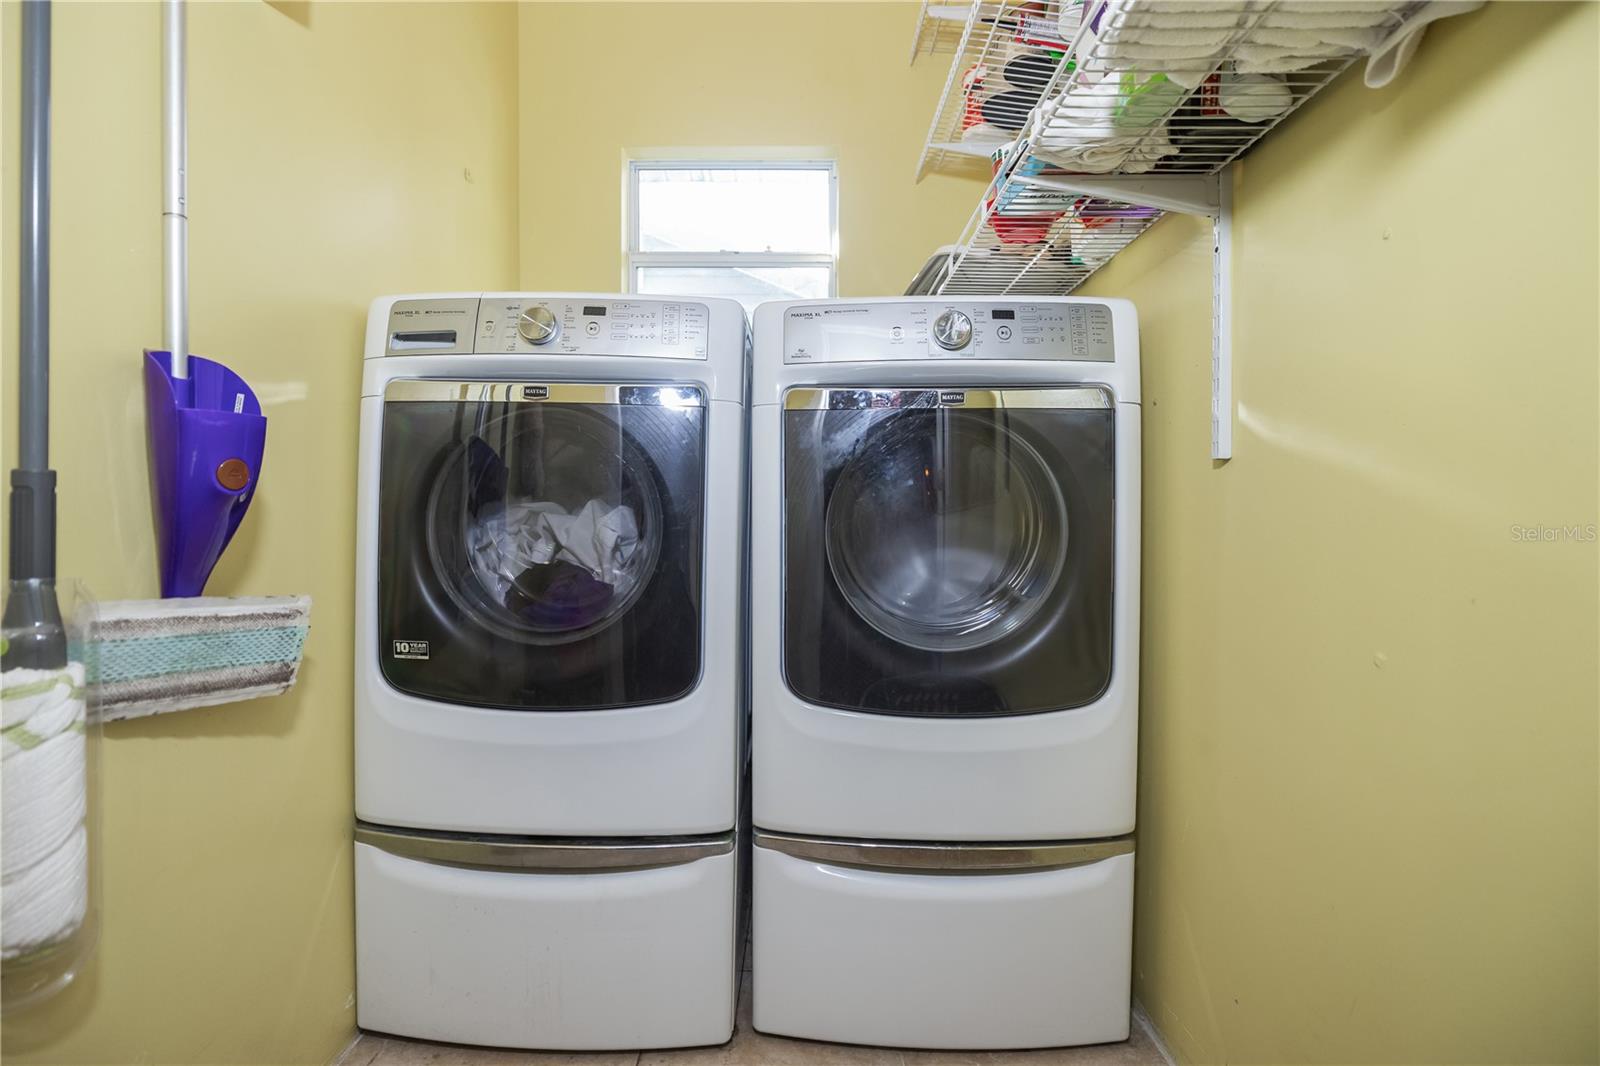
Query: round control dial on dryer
[(538, 325), (952, 330)]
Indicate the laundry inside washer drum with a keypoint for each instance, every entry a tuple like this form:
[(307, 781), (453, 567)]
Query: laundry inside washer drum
[(946, 540), (557, 545), (552, 567)]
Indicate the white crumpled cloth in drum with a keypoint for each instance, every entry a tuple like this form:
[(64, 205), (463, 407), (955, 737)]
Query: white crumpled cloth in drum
[(600, 538)]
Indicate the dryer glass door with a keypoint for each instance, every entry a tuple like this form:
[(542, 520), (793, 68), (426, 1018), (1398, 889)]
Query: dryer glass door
[(949, 552), (540, 544)]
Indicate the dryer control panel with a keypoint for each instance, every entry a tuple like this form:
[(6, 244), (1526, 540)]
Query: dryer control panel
[(843, 332), (517, 325)]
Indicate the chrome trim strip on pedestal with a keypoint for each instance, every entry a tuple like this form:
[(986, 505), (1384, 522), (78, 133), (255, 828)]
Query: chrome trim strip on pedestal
[(404, 390), (957, 857), (1057, 398), (541, 853)]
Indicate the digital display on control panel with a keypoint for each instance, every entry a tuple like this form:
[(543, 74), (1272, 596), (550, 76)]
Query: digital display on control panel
[(1078, 330), (662, 329)]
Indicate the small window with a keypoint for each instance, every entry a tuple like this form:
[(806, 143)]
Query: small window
[(749, 231)]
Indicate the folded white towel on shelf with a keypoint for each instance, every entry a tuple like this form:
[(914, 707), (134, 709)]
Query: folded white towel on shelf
[(1182, 40), (1330, 6), (1216, 17), (1125, 155), (1332, 16), (1129, 34), (1082, 133), (1251, 58), (1121, 53), (1277, 64), (1310, 41), (1188, 39), (1178, 12)]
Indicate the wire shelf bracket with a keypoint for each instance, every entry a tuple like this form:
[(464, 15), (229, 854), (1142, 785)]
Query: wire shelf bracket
[(1222, 321), (1208, 196)]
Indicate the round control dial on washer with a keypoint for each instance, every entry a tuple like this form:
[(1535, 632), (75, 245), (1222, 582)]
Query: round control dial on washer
[(952, 330), (538, 325)]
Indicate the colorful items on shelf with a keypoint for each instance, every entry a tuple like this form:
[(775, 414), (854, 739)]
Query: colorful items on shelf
[(1011, 217), (1132, 86), (1001, 91)]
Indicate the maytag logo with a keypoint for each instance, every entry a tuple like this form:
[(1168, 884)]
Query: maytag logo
[(536, 392), (410, 649), (952, 398)]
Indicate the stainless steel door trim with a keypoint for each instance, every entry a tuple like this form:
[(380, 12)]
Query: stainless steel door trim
[(412, 390), (553, 854), (1055, 398), (956, 857)]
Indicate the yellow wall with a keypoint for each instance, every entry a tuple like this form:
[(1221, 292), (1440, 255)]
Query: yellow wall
[(1368, 778), (828, 79), (1368, 817), (337, 152)]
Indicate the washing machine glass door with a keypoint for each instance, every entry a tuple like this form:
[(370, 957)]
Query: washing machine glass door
[(540, 544), (949, 552)]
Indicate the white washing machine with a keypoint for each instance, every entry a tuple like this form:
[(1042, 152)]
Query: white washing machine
[(549, 720), (945, 657)]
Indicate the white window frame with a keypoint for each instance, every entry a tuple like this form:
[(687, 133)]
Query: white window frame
[(637, 258)]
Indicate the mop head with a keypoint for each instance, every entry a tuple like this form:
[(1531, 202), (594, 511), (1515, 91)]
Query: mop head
[(152, 656), (44, 863)]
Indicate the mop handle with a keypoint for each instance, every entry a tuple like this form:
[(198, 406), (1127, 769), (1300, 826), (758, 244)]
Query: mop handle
[(174, 188)]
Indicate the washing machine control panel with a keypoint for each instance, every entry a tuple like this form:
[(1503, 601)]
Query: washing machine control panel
[(843, 333), (660, 329)]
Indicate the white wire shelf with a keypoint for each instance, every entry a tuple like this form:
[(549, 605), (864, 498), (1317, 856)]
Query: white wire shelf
[(970, 121), (1094, 117), (1041, 244), (939, 28), (1079, 121)]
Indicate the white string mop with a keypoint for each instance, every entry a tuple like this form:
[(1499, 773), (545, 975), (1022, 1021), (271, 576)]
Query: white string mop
[(44, 866)]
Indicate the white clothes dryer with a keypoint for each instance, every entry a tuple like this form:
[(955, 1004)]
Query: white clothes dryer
[(945, 596)]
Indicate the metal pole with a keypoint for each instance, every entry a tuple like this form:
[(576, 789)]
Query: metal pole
[(34, 394), (32, 616), (174, 187)]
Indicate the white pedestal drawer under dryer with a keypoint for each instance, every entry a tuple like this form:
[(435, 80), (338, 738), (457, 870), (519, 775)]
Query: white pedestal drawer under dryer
[(549, 720), (944, 654)]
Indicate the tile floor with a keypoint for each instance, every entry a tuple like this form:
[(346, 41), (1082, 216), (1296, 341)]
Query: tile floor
[(747, 1048)]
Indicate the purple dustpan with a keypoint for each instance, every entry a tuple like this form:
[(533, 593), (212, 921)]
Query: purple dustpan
[(207, 435)]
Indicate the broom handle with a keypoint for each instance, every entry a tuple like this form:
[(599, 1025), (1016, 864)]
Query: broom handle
[(174, 188), (33, 413)]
